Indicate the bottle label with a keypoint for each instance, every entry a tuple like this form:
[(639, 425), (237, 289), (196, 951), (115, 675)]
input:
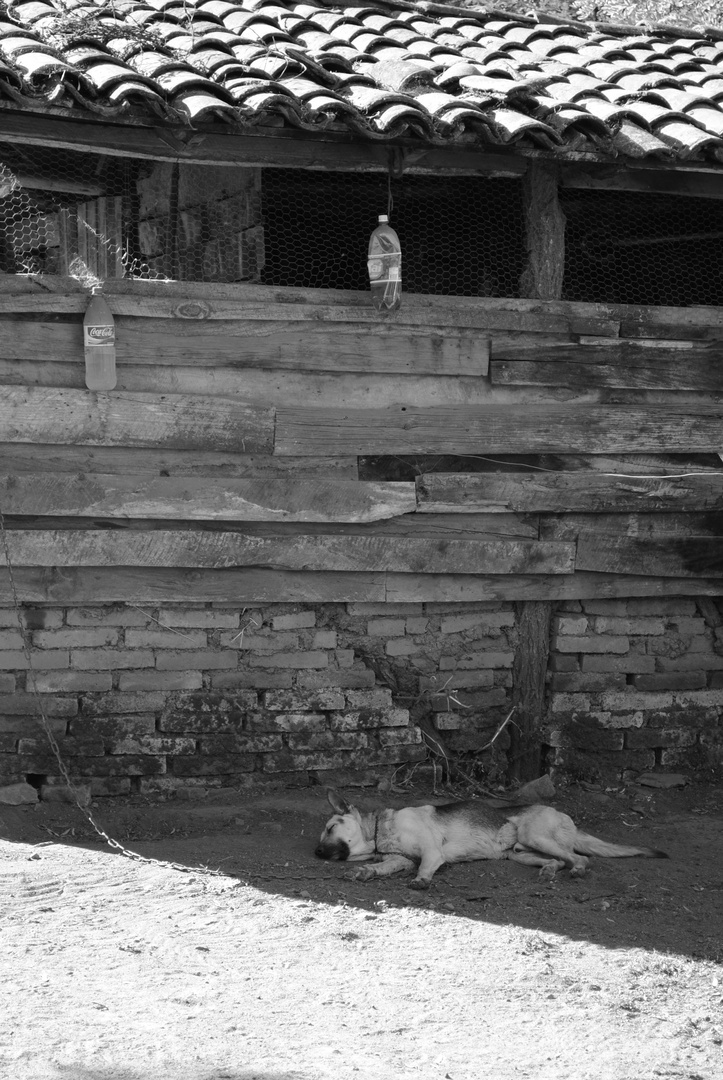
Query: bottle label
[(99, 335)]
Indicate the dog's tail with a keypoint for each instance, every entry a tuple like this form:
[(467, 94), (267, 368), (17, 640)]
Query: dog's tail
[(585, 844)]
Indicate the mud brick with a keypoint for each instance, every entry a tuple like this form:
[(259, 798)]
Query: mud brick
[(295, 660), (630, 665), (402, 647), (314, 701), (203, 617), (150, 744), (390, 755), (205, 765), (114, 727), (288, 761), (344, 657), (290, 721), (448, 721), (672, 680), (386, 628), (252, 680), (75, 639), (674, 606), (482, 699), (399, 736), (109, 704), (348, 678), (166, 639), (208, 713), (108, 786), (703, 699), (11, 639), (570, 624), (200, 661), (716, 680), (295, 621), (603, 765), (455, 680), (690, 662), (122, 765), (486, 660), (328, 740), (689, 627), (160, 680), (586, 736), (417, 625), (9, 742), (260, 643), (7, 684), (32, 618), (11, 770), (581, 681), (27, 705), (364, 719), (48, 660), (459, 624), (324, 639), (239, 744), (571, 703), (72, 681), (633, 627), (379, 698), (563, 663), (23, 725), (659, 737), (602, 643), (70, 746), (110, 659), (105, 616)]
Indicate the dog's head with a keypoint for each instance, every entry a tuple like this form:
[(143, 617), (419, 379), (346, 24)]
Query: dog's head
[(343, 837)]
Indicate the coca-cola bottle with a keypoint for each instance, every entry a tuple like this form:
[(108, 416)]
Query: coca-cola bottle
[(385, 266), (99, 341)]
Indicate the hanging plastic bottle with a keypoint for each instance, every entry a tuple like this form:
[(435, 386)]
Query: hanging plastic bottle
[(99, 341), (385, 266)]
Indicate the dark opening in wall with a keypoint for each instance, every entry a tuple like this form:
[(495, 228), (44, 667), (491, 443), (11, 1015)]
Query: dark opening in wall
[(460, 236), (631, 248)]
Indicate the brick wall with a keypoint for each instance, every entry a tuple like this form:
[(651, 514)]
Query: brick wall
[(635, 685), (155, 699)]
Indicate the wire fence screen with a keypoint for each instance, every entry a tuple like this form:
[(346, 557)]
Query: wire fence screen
[(95, 217)]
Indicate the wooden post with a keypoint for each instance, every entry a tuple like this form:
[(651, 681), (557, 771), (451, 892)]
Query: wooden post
[(528, 688), (545, 224)]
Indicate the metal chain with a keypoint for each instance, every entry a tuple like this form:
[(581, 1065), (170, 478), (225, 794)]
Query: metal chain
[(115, 844)]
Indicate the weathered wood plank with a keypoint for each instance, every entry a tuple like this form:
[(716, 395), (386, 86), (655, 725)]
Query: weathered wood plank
[(639, 526), (76, 417), (545, 232), (202, 499), (377, 348), (138, 585), (213, 550), (469, 588), (683, 372), (149, 461), (501, 429), (600, 177), (529, 681), (560, 492), (693, 323), (602, 350), (678, 557)]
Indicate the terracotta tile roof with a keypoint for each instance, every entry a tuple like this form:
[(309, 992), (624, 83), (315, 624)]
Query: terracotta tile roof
[(445, 75)]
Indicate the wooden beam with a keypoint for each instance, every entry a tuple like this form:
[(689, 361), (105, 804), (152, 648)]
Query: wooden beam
[(682, 372), (149, 461), (529, 675), (203, 498), (470, 588), (545, 233), (40, 415), (594, 177), (502, 429), (562, 492), (212, 550), (640, 526), (676, 557), (240, 344), (144, 585)]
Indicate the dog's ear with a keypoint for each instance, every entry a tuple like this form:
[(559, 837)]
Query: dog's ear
[(338, 803)]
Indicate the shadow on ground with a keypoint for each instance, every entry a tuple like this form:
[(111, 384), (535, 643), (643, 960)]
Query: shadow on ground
[(266, 840)]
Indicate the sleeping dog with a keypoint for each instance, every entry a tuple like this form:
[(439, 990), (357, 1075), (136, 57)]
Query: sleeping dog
[(395, 840)]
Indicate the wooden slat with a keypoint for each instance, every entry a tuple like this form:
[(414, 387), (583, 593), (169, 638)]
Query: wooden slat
[(559, 492), (639, 526), (693, 323), (332, 553), (469, 588), (683, 372), (42, 415), (671, 557), (203, 498), (150, 461), (139, 585), (239, 344), (600, 177), (503, 429)]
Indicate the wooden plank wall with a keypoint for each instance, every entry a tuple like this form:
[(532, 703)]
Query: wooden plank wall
[(251, 449)]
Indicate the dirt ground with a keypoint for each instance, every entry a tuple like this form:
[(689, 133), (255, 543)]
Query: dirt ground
[(279, 968)]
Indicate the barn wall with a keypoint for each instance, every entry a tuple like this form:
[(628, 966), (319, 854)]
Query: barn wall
[(534, 452)]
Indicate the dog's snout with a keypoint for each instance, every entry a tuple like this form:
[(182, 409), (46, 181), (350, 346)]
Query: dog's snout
[(337, 850), (321, 852)]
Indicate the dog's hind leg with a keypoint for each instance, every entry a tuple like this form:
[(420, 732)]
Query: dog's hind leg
[(548, 866), (390, 864)]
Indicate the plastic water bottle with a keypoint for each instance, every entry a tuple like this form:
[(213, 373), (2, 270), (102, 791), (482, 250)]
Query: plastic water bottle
[(385, 266), (99, 341)]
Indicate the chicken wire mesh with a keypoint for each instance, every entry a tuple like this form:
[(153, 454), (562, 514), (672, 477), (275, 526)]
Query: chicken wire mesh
[(94, 217)]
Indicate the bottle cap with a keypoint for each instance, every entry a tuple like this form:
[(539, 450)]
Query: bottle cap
[(383, 217)]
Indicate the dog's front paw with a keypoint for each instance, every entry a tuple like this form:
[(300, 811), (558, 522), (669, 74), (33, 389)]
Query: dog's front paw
[(547, 872), (364, 873), (418, 883)]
